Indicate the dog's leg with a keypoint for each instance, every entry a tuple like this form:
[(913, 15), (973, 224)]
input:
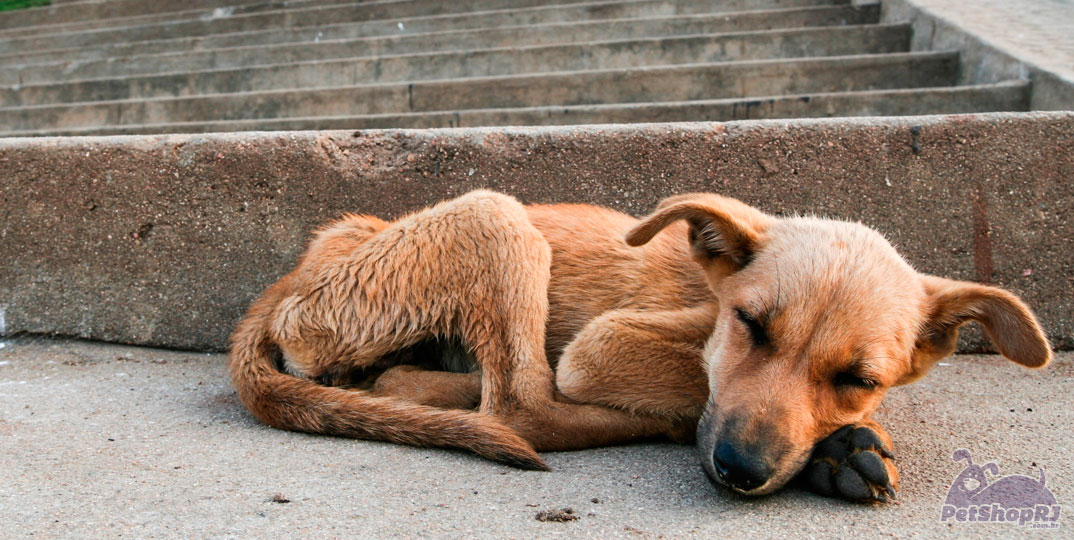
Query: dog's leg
[(855, 463), (433, 388), (645, 362)]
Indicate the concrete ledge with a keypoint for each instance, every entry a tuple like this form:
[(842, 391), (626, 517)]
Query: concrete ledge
[(164, 240)]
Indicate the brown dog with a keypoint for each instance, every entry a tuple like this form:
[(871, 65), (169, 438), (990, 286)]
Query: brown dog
[(487, 325)]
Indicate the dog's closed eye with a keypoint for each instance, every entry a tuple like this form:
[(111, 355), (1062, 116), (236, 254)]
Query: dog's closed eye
[(847, 379), (757, 331)]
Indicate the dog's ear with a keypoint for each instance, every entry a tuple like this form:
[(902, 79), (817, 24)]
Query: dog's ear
[(720, 227), (1008, 322)]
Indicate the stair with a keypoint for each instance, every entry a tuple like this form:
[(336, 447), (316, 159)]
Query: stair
[(85, 68)]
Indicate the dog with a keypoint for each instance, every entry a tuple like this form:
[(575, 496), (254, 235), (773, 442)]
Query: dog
[(486, 325)]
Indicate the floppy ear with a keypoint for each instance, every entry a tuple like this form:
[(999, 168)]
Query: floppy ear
[(1007, 321), (720, 227)]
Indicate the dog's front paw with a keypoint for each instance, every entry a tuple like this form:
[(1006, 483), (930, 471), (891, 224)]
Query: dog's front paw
[(853, 463)]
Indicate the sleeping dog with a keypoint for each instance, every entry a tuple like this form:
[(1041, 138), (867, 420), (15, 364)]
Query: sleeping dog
[(483, 324)]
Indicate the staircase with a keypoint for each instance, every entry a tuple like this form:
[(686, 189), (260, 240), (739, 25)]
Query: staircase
[(142, 67)]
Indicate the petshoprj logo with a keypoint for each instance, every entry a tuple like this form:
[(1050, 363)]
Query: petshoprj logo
[(1012, 499)]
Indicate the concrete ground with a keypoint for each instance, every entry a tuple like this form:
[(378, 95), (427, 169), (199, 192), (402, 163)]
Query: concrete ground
[(104, 441), (1039, 32)]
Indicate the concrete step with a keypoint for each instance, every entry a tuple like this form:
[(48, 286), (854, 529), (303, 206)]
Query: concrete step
[(60, 11), (824, 41), (651, 84), (223, 9), (411, 40), (64, 12), (1006, 96), (338, 41), (313, 16), (108, 14)]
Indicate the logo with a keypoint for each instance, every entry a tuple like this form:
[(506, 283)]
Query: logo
[(1012, 499)]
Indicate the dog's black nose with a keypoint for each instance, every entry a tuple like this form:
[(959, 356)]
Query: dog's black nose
[(738, 470)]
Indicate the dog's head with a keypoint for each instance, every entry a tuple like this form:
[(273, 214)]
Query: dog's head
[(817, 319)]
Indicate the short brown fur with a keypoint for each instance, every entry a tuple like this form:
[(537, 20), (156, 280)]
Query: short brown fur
[(763, 335)]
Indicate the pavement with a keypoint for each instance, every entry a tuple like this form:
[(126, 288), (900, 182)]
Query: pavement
[(1038, 32), (106, 441)]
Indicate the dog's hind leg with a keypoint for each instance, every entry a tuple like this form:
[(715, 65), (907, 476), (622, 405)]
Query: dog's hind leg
[(473, 269), (360, 295)]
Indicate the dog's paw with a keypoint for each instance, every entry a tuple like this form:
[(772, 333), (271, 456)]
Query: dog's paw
[(854, 464)]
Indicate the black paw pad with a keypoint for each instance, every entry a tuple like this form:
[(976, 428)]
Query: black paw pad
[(870, 466), (851, 464)]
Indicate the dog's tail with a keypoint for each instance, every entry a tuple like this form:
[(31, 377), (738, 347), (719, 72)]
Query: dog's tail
[(287, 402)]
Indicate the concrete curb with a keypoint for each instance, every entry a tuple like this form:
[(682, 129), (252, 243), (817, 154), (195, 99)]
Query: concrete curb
[(164, 240)]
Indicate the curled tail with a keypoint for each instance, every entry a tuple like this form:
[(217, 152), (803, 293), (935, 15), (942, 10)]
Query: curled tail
[(287, 402)]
